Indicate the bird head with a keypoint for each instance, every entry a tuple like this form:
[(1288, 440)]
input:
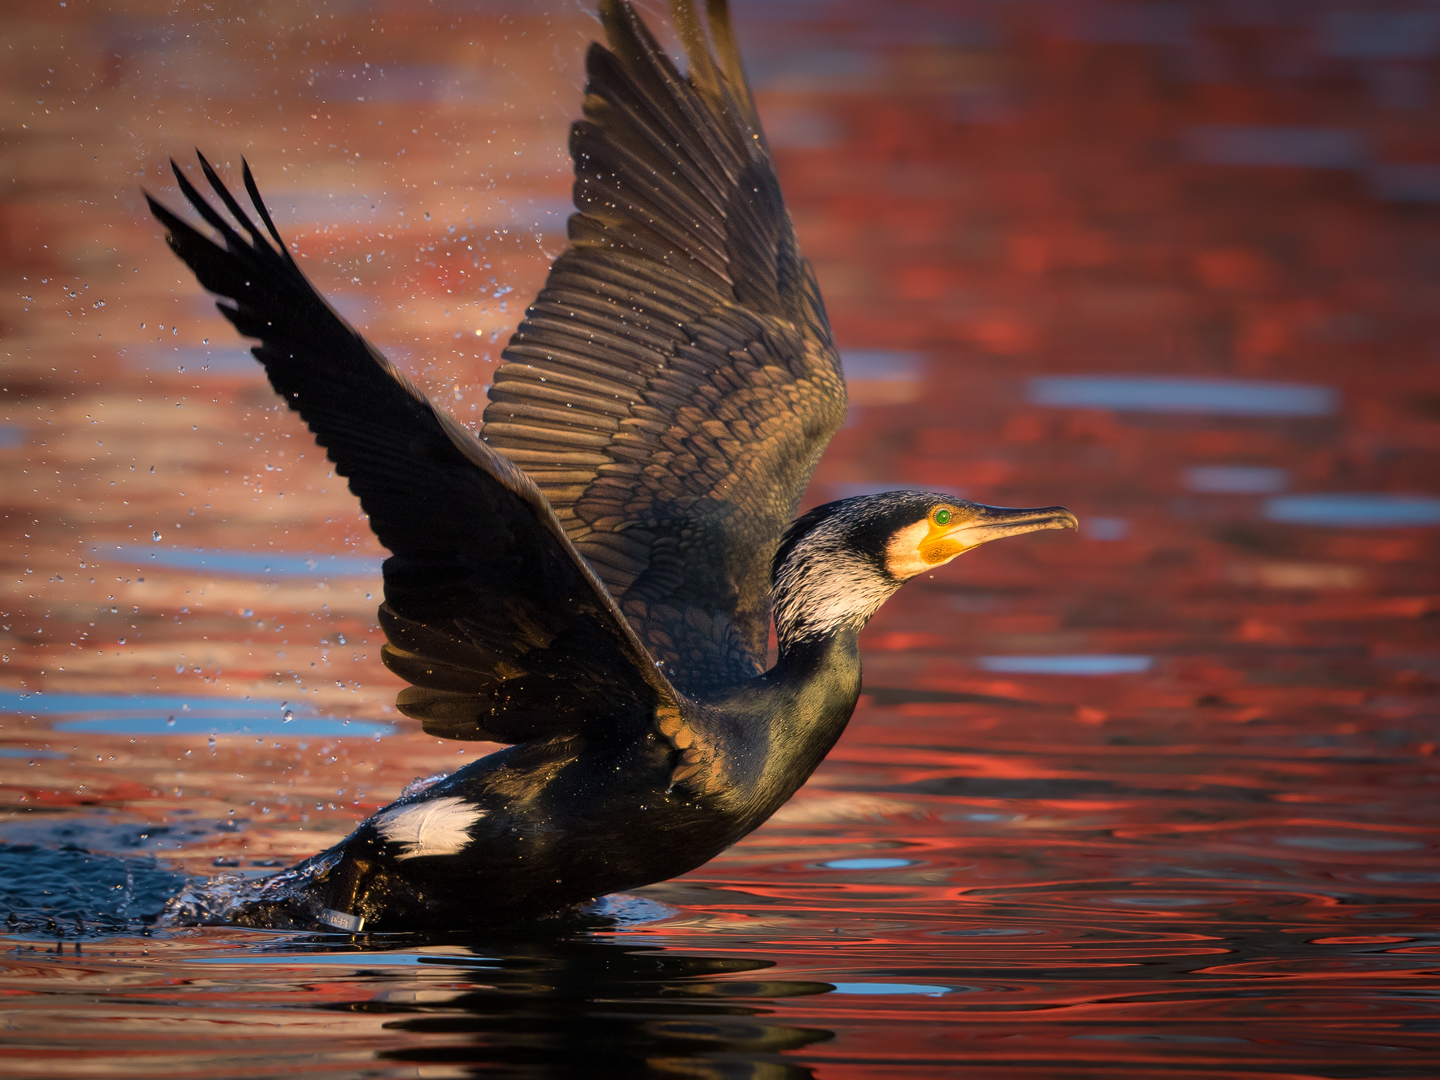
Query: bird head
[(839, 562)]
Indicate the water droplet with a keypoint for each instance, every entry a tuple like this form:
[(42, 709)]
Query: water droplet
[(155, 535), (287, 716), (170, 721)]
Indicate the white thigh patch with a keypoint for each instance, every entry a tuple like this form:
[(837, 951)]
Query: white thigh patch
[(433, 827)]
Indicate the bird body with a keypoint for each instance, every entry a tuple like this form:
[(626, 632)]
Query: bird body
[(592, 578), (547, 824)]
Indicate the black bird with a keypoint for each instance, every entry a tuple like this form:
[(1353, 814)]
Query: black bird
[(592, 579)]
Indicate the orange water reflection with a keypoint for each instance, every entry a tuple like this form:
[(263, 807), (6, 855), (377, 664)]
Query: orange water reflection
[(1159, 798)]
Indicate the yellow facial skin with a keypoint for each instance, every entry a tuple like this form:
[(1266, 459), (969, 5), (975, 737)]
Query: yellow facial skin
[(941, 544), (953, 529)]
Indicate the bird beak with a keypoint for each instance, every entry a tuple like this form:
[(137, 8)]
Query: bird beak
[(988, 523)]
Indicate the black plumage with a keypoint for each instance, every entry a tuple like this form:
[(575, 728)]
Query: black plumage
[(592, 579)]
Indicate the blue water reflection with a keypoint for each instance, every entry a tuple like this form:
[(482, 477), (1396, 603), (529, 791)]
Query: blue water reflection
[(243, 563), (159, 714), (327, 727), (882, 364), (890, 988), (1105, 528), (1221, 397), (366, 959), (1374, 511), (1275, 146), (1368, 34), (1236, 479), (1068, 665)]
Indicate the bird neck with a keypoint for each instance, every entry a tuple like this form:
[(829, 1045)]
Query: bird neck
[(803, 659), (777, 727), (813, 688)]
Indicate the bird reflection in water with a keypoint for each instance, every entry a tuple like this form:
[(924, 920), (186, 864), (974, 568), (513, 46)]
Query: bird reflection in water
[(579, 1006)]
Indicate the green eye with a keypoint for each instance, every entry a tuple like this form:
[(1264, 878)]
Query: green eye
[(942, 517)]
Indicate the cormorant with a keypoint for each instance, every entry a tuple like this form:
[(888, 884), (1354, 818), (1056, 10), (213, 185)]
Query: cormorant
[(592, 579)]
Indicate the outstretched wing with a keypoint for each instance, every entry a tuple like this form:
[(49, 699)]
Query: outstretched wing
[(675, 382), (490, 611)]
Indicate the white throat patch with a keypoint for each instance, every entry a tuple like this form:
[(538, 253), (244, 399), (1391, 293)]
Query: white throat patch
[(824, 585), (433, 827)]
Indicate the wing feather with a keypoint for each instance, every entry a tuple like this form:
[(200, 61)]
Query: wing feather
[(675, 381), (493, 615)]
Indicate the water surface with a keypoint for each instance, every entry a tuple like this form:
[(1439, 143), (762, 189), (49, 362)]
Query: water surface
[(1154, 799)]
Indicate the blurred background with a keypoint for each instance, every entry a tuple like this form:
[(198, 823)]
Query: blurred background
[(1173, 264)]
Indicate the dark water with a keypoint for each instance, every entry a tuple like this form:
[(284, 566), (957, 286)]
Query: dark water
[(1159, 799)]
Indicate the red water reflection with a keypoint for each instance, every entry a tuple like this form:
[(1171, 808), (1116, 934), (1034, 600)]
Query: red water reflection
[(1216, 860)]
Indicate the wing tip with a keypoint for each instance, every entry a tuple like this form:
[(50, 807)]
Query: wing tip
[(712, 52)]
